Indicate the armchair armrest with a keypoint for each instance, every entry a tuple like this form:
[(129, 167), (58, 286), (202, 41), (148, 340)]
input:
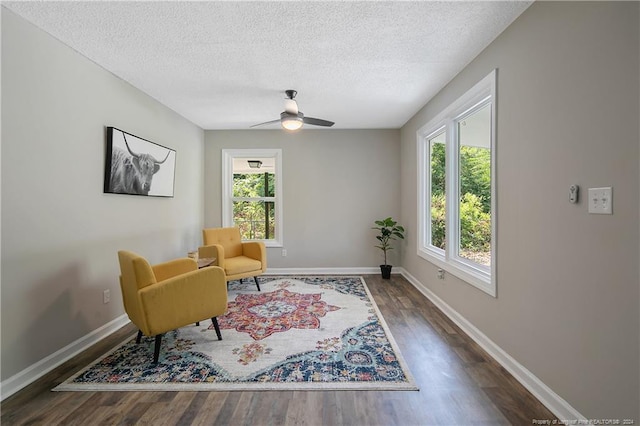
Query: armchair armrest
[(256, 250), (169, 269), (212, 251), (184, 299)]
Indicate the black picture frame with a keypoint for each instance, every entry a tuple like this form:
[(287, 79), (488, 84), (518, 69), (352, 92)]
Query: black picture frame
[(136, 166)]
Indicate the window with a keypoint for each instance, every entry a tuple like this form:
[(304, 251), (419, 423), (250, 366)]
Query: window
[(252, 193), (437, 188), (456, 187)]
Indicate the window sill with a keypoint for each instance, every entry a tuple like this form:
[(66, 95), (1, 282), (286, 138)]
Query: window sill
[(475, 277), (271, 243)]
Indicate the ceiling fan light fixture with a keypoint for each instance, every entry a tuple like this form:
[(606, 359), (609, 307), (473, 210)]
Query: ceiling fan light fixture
[(291, 122), (292, 118)]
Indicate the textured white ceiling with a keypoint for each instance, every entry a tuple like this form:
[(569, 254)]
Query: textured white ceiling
[(226, 65)]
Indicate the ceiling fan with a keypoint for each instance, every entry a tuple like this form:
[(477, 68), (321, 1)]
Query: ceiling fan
[(292, 118)]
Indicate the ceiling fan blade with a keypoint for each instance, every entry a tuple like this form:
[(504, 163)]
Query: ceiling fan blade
[(266, 122), (291, 106), (317, 122)]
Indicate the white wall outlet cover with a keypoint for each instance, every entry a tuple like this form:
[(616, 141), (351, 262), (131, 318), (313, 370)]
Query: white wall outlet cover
[(600, 200)]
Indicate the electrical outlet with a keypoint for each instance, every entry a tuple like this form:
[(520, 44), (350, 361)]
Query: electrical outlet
[(440, 274), (106, 296), (600, 200), (284, 252)]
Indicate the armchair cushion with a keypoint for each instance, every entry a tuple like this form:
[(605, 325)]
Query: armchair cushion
[(242, 265), (228, 238)]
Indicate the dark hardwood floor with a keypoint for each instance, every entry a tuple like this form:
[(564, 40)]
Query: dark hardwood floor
[(459, 385)]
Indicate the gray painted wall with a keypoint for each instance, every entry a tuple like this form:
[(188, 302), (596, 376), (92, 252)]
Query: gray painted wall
[(60, 233), (336, 183), (568, 282)]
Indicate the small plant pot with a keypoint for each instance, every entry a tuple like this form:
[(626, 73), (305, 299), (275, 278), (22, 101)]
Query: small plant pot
[(386, 271)]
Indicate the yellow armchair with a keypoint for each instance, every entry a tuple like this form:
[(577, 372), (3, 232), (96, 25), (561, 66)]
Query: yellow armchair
[(238, 259), (170, 295)]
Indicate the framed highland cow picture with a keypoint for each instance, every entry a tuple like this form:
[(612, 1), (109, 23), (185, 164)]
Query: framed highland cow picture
[(137, 166)]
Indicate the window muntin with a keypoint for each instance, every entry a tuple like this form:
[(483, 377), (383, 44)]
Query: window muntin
[(252, 196), (467, 130)]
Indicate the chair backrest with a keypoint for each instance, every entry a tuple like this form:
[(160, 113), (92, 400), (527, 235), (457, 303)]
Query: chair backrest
[(135, 273), (229, 238)]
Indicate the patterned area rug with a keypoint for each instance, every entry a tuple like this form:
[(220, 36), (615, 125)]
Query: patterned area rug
[(313, 333)]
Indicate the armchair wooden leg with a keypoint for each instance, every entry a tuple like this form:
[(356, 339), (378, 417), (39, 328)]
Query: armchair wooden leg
[(257, 283), (217, 327), (156, 349), (198, 323), (139, 336)]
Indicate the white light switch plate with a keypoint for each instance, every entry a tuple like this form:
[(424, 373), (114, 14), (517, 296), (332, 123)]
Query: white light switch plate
[(600, 200)]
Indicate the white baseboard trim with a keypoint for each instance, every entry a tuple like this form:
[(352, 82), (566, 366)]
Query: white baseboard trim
[(554, 402), (30, 374), (325, 271)]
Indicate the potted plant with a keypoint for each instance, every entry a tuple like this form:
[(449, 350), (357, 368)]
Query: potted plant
[(388, 230)]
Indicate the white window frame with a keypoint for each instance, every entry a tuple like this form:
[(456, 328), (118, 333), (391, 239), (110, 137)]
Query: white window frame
[(424, 152), (482, 277), (227, 188)]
